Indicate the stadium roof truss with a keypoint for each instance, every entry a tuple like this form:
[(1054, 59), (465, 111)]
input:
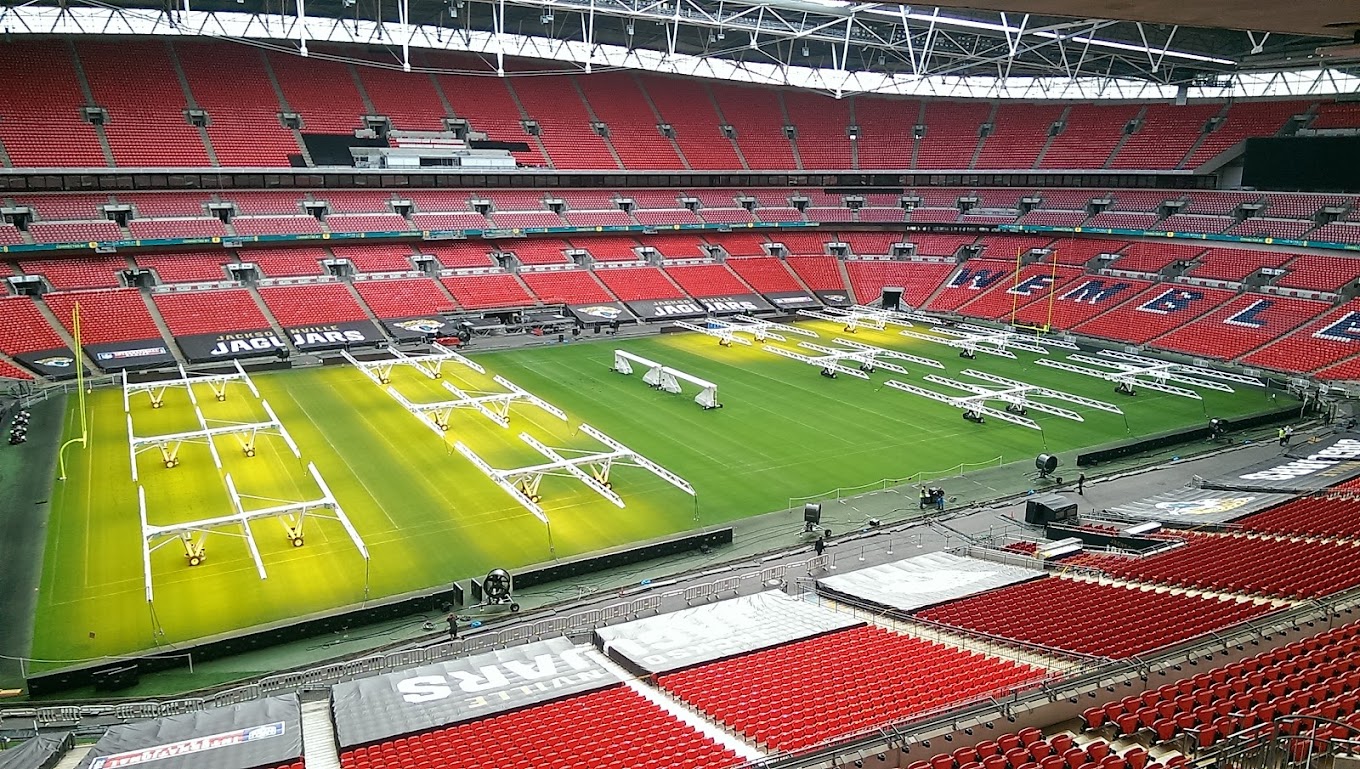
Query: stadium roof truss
[(593, 468), (836, 46), (970, 340), (192, 535), (1129, 372)]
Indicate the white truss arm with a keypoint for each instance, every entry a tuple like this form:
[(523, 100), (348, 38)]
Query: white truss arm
[(498, 477), (971, 345), (723, 334), (824, 363), (967, 406), (244, 520), (576, 472), (146, 543), (1044, 392), (757, 323), (422, 411), (639, 460), (886, 353), (1122, 377), (863, 357), (522, 394), (467, 401)]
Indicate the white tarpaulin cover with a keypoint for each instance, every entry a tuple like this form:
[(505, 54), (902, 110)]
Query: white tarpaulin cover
[(716, 631), (926, 580), (1195, 506), (410, 701)]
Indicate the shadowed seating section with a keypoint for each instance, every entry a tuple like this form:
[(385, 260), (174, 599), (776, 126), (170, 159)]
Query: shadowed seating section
[(1090, 618), (23, 327), (790, 697), (615, 728)]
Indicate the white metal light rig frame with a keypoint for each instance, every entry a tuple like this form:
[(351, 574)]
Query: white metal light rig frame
[(1018, 396), (193, 534), (725, 331), (523, 483), (169, 444), (855, 316), (430, 364), (667, 379), (1134, 371), (868, 357), (971, 340)]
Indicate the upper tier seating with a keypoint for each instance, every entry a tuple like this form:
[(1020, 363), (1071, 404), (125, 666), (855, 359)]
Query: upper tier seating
[(1311, 516), (1337, 115), (566, 287), (885, 139), (40, 100), (403, 298), (619, 103), (707, 280), (789, 697), (687, 106), (487, 291), (765, 274), (1218, 203), (243, 110), (375, 258), (23, 327), (1242, 325), (1119, 220), (820, 122), (1337, 232), (454, 255), (539, 251), (311, 303), (119, 315), (409, 101), (563, 122), (1195, 223), (1019, 134), (872, 243), (65, 207), (256, 203), (1242, 564), (1234, 264), (78, 271), (276, 225), (1158, 310), (464, 220), (1091, 133), (1245, 119), (323, 92), (1152, 256), (1286, 205), (738, 243), (489, 107), (641, 283), (287, 262), (916, 279), (614, 728), (951, 133), (189, 267), (757, 114), (1166, 135), (1330, 339), (146, 125), (1266, 227), (366, 223), (820, 273), (207, 312), (1320, 273), (1091, 618)]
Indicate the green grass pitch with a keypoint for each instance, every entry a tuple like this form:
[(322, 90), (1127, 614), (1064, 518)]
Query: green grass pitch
[(429, 517)]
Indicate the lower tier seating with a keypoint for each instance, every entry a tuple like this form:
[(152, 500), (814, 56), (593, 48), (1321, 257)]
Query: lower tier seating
[(707, 280), (487, 291), (804, 693), (1242, 325), (916, 279), (23, 327), (765, 274), (192, 267), (566, 287), (611, 729), (1035, 281), (1332, 338), (1154, 312), (1311, 516), (631, 284), (312, 303), (1080, 301), (287, 262), (119, 315), (207, 312), (368, 258), (75, 272), (820, 273), (1242, 564), (972, 279), (1090, 618), (11, 371), (404, 298)]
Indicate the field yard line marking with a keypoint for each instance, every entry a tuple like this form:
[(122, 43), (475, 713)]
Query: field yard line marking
[(89, 503), (341, 457)]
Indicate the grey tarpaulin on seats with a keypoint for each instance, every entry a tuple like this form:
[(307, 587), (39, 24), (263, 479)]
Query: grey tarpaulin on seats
[(41, 752), (715, 631), (252, 734), (1195, 506), (925, 580), (1306, 467), (372, 709)]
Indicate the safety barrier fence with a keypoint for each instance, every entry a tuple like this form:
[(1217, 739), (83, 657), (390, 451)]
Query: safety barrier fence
[(889, 483)]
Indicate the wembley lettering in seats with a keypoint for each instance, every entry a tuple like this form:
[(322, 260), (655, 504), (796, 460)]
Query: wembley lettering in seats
[(1343, 329), (978, 279), (1095, 291), (1251, 315), (1036, 284), (1172, 300)]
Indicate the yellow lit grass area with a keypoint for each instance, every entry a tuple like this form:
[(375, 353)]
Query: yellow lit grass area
[(429, 517)]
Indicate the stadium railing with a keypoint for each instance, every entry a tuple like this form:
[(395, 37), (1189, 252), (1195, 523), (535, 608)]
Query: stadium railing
[(842, 492)]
